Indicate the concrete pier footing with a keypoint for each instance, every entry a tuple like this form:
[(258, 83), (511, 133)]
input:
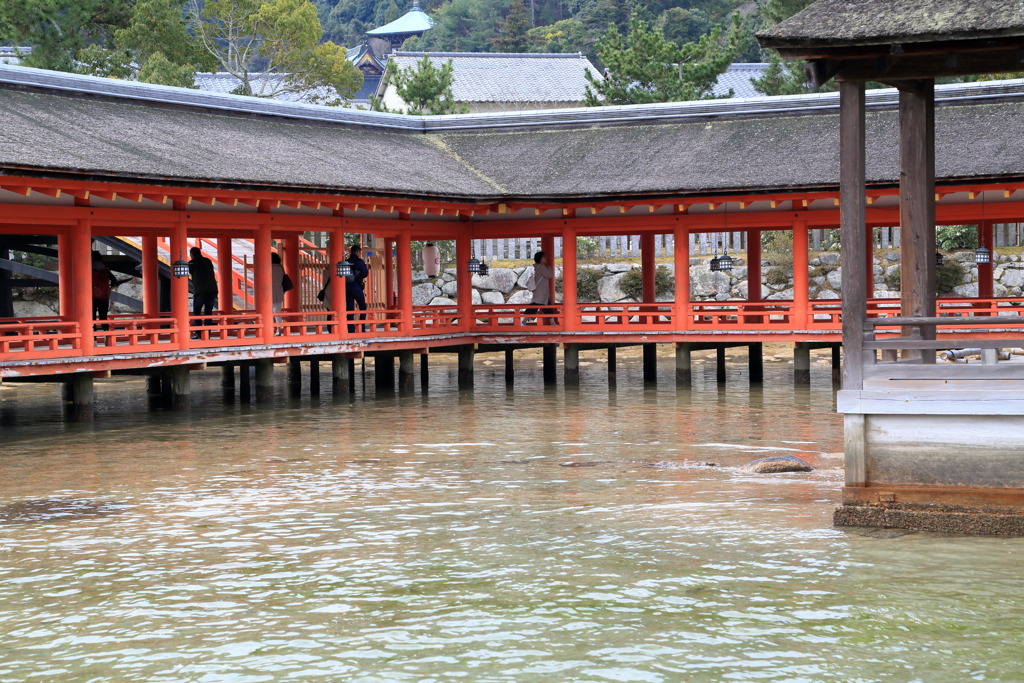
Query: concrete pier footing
[(801, 363), (466, 356), (684, 365), (78, 392), (406, 372), (179, 382), (571, 365), (264, 381)]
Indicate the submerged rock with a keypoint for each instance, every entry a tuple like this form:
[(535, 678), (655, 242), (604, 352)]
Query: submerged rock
[(776, 464)]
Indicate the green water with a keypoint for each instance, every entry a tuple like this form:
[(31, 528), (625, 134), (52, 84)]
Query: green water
[(529, 535)]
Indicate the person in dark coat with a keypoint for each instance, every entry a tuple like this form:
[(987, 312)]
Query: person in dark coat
[(204, 286), (355, 285), (103, 283)]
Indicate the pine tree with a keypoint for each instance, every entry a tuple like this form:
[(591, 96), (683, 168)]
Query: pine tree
[(425, 88), (784, 77), (645, 67), (512, 30)]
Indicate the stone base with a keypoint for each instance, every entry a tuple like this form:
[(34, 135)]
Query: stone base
[(954, 519)]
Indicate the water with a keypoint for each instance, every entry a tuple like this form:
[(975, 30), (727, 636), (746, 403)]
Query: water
[(494, 536)]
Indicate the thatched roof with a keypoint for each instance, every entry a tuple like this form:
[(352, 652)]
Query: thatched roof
[(832, 24), (772, 144)]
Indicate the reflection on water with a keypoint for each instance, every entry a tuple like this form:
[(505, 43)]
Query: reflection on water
[(486, 536)]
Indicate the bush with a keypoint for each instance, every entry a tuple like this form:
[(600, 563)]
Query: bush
[(777, 252), (947, 276), (586, 285), (950, 237), (586, 247), (632, 283), (777, 276)]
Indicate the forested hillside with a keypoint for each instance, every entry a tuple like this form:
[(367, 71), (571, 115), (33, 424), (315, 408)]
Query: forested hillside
[(544, 26)]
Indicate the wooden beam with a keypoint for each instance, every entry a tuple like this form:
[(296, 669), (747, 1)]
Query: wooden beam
[(852, 214)]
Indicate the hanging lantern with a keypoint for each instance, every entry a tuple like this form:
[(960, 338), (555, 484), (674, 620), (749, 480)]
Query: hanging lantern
[(431, 260), (180, 268), (725, 262), (983, 255), (473, 265), (715, 264), (939, 259), (484, 268), (344, 268)]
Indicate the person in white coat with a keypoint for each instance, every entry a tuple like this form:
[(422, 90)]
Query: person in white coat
[(541, 281)]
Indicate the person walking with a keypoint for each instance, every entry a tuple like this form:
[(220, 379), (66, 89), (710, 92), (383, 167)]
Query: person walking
[(542, 276), (355, 286), (204, 287), (103, 283)]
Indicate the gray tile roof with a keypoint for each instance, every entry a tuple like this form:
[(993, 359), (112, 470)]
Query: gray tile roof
[(834, 24), (504, 77), (144, 133), (739, 78), (225, 83)]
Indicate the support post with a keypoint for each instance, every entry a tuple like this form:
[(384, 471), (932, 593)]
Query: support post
[(290, 260), (424, 371), (180, 381), (179, 285), (510, 368), (314, 377), (681, 256), (986, 280), (405, 280), (294, 377), (336, 253), (389, 273), (384, 371), (852, 214), (264, 289), (225, 276), (837, 365), (65, 275), (264, 379), (571, 365), (547, 244), (81, 292), (917, 206), (801, 363), (755, 362), (648, 265), (154, 384), (227, 380), (549, 362), (406, 371), (720, 364), (650, 352), (245, 382), (684, 365), (611, 365), (78, 395), (150, 277), (464, 281), (341, 377), (466, 354), (570, 306), (801, 281)]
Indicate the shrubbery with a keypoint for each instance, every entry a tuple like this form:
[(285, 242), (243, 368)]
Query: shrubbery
[(632, 283), (586, 285), (947, 276)]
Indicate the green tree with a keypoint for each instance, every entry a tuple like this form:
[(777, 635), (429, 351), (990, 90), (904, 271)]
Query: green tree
[(57, 29), (784, 77), (512, 30), (271, 47), (425, 88), (645, 67), (567, 35)]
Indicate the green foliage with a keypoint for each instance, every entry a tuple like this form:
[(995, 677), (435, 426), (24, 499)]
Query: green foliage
[(777, 252), (831, 240), (512, 30), (158, 69), (632, 284), (947, 276), (278, 37), (950, 237), (57, 29), (586, 247), (645, 67), (784, 77), (425, 88), (567, 35), (587, 280)]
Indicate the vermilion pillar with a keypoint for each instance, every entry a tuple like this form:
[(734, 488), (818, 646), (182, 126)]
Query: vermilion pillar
[(569, 303), (405, 279), (986, 238), (647, 267), (336, 253), (754, 270), (681, 256), (389, 271), (81, 292), (150, 277), (65, 279), (291, 261), (225, 275), (547, 245), (463, 250), (179, 285), (801, 288), (264, 289)]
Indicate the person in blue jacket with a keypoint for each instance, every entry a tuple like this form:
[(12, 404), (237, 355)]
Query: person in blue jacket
[(355, 285)]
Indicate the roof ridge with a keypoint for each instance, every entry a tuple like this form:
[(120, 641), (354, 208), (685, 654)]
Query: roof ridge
[(524, 55)]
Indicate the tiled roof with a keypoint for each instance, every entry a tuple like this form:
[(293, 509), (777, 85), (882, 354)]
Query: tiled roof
[(739, 78), (13, 55), (832, 24), (510, 77), (413, 21), (226, 83)]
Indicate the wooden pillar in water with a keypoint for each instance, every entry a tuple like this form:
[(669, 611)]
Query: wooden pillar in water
[(801, 280), (341, 377), (648, 266), (837, 365), (227, 381), (466, 354), (853, 244), (650, 353), (78, 391), (384, 371), (755, 362), (801, 363), (424, 371), (611, 365), (571, 365), (294, 376), (549, 361), (245, 382), (264, 381), (314, 377), (720, 364), (154, 384), (510, 367), (180, 382), (986, 280), (684, 365), (406, 371)]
